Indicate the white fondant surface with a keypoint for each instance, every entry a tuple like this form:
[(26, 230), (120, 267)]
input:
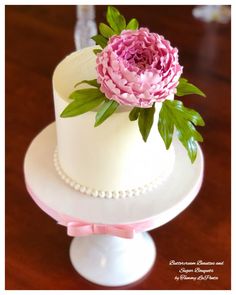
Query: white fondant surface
[(112, 156), (162, 204), (116, 194)]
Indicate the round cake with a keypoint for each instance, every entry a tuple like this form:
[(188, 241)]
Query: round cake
[(110, 160)]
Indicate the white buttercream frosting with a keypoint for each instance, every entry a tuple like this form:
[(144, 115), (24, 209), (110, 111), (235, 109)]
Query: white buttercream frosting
[(105, 193), (112, 159)]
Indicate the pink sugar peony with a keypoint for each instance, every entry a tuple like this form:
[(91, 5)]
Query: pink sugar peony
[(138, 68)]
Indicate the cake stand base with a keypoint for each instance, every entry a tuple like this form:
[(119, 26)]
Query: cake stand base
[(109, 260), (113, 261)]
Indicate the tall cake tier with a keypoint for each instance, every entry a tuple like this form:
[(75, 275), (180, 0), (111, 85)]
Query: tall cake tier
[(112, 156)]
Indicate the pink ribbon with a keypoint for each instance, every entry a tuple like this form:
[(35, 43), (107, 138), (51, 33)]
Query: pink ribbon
[(76, 229)]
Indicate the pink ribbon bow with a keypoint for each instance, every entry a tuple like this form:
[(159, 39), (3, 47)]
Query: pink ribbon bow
[(76, 229)]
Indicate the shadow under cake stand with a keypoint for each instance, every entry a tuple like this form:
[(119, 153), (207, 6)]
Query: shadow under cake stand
[(102, 251)]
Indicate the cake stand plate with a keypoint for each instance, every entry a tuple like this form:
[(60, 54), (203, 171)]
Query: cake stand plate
[(99, 251)]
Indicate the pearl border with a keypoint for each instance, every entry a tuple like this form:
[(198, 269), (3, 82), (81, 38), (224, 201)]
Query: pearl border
[(120, 194)]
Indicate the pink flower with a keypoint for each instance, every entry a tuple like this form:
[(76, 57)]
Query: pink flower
[(138, 68)]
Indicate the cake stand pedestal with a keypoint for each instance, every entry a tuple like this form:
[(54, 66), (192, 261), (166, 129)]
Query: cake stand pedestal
[(113, 261), (111, 246)]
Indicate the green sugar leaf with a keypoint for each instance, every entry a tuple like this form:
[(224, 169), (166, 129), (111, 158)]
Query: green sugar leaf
[(76, 108), (185, 88), (166, 126), (84, 100), (105, 111), (100, 40), (133, 24), (196, 135), (96, 51), (173, 113), (121, 22), (189, 114), (105, 30), (85, 94), (93, 83), (190, 145), (115, 19), (145, 121), (133, 115)]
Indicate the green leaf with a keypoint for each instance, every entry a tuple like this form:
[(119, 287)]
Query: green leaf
[(173, 113), (145, 121), (106, 31), (84, 100), (133, 24), (93, 83), (197, 136), (96, 51), (85, 94), (190, 145), (185, 88), (166, 126), (115, 19), (133, 115), (76, 108), (189, 114), (121, 22), (106, 110), (100, 40)]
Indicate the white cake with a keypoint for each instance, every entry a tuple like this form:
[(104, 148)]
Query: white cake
[(112, 159)]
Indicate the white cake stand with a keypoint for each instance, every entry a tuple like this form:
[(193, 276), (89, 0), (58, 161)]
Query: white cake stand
[(100, 252)]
